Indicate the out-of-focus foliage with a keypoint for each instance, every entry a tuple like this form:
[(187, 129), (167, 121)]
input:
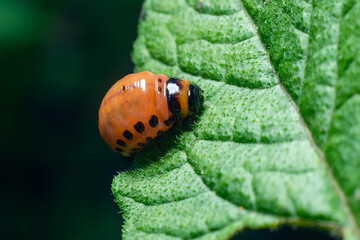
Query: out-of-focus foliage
[(57, 60)]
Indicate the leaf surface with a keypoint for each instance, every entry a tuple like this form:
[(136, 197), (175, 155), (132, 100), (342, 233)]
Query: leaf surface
[(278, 141)]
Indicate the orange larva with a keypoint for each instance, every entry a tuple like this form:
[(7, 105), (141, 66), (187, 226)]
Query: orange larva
[(141, 106)]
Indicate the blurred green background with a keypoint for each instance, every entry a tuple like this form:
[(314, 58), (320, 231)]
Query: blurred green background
[(57, 60)]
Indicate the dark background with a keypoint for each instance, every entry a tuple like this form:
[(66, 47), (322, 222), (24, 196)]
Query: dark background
[(57, 60)]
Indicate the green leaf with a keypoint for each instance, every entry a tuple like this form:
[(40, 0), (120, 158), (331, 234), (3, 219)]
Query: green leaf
[(279, 139)]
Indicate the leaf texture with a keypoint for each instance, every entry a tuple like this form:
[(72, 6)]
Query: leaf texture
[(278, 141)]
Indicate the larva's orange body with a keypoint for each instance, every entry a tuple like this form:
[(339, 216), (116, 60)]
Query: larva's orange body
[(141, 106)]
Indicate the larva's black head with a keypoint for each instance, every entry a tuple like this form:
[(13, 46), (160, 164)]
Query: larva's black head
[(196, 98), (181, 102)]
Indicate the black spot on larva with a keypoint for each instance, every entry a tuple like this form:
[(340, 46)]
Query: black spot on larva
[(172, 96), (153, 121), (149, 139), (135, 149), (159, 89), (141, 144), (160, 133), (159, 80), (120, 143), (123, 88), (139, 127), (128, 135), (168, 122), (174, 106), (119, 149)]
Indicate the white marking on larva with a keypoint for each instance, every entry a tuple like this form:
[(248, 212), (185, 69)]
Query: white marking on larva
[(143, 84), (173, 88), (140, 84), (156, 85)]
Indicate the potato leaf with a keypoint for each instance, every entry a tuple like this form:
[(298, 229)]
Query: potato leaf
[(278, 141)]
